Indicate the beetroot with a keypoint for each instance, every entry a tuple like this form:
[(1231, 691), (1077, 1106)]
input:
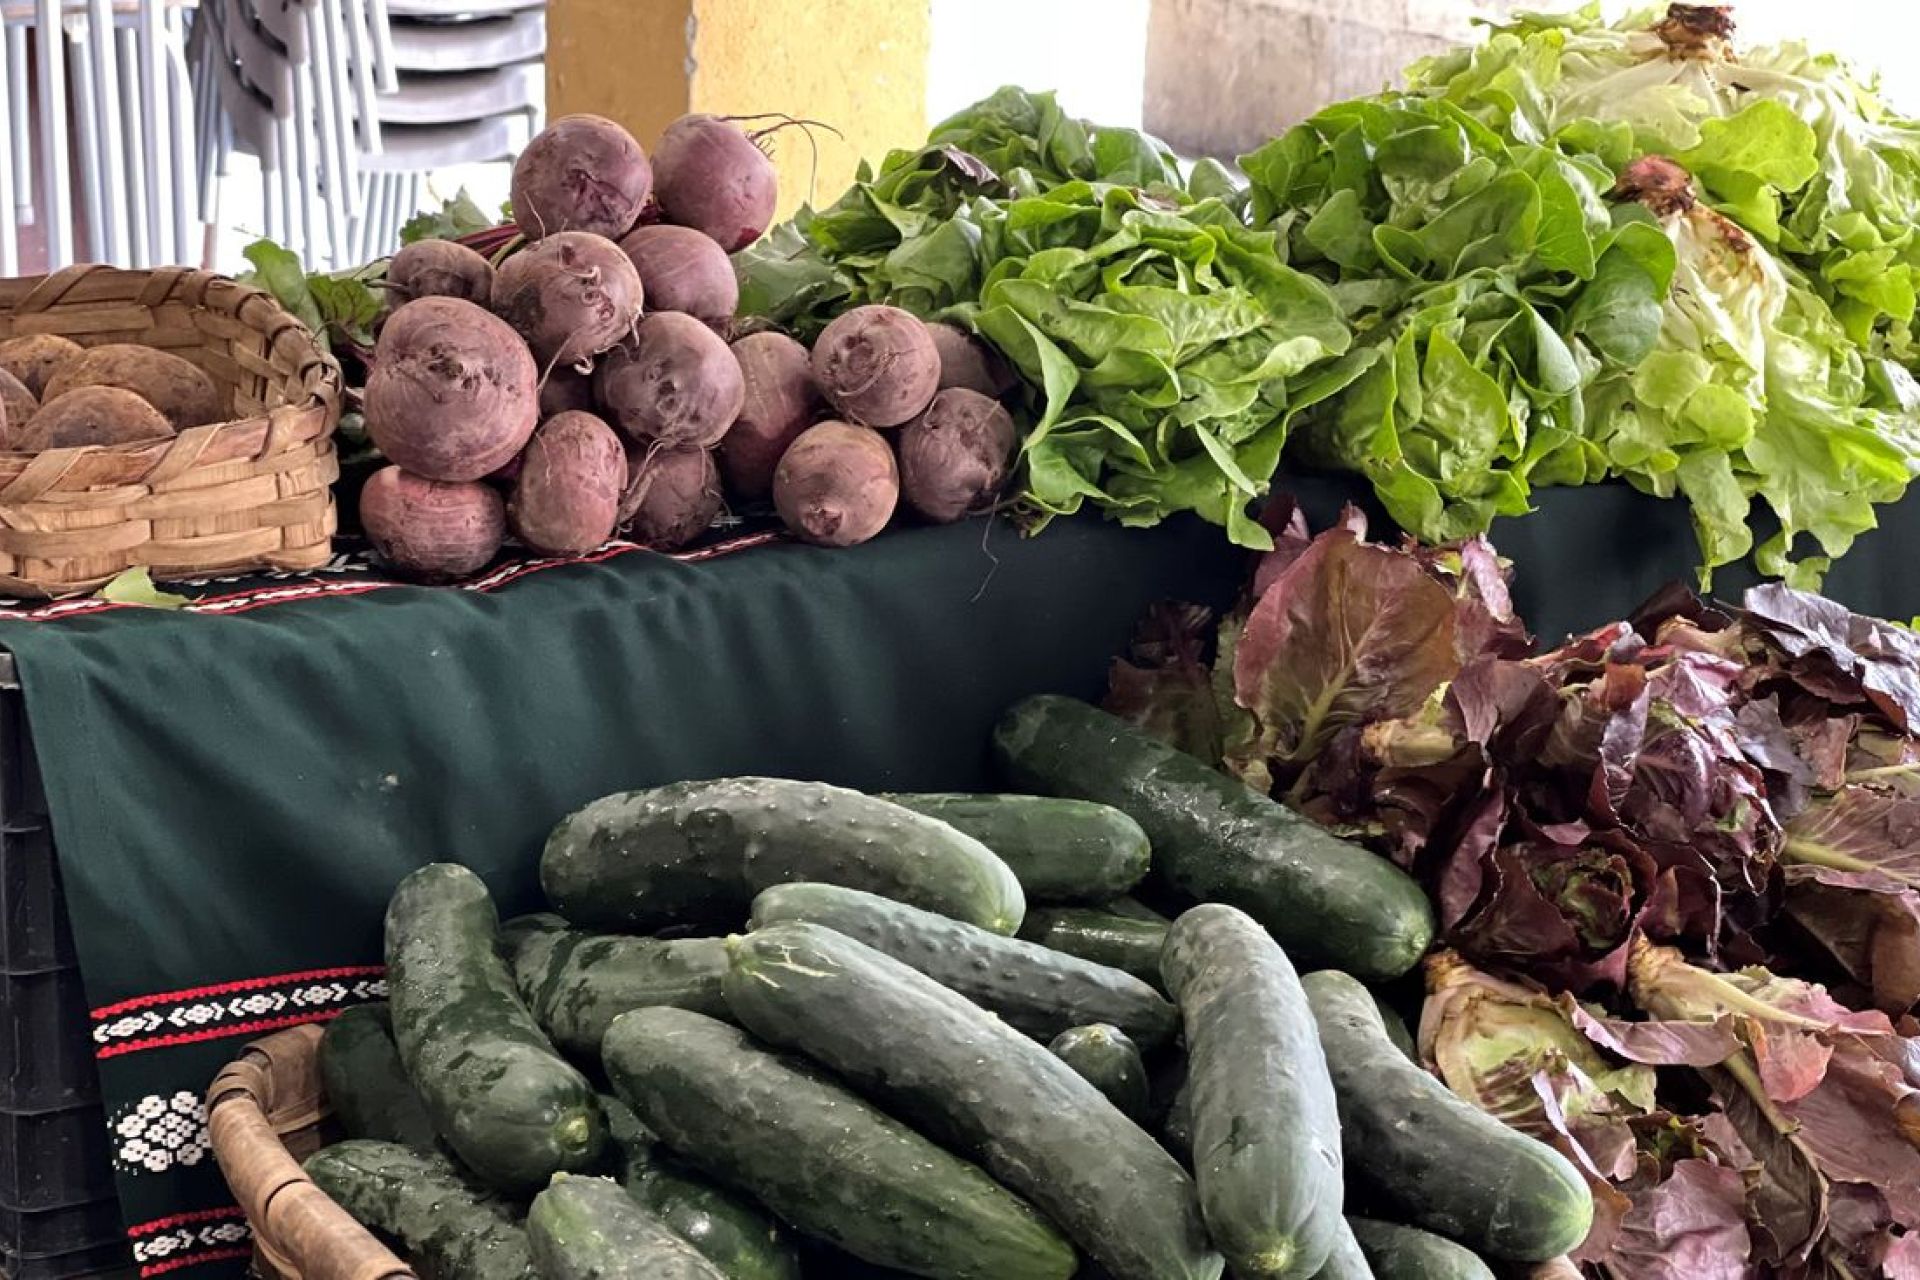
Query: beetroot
[(837, 485), (580, 173), (672, 495), (954, 457), (710, 176), (440, 269), (571, 296), (684, 270), (567, 497), (453, 394), (878, 365), (965, 361), (781, 401), (675, 382), (432, 529), (564, 388)]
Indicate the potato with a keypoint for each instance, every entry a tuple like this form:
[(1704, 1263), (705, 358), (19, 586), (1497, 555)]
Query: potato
[(837, 485), (780, 402), (90, 416), (453, 394), (432, 529), (877, 365), (566, 500), (672, 495), (35, 357), (954, 457), (17, 405), (177, 388)]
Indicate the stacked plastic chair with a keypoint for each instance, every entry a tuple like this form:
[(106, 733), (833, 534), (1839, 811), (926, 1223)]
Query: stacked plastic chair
[(349, 104), (101, 138)]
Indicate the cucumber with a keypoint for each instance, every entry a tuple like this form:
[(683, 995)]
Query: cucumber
[(1348, 1261), (821, 1158), (577, 983), (1102, 935), (1396, 1028), (1060, 850), (1266, 1127), (1033, 989), (699, 851), (1327, 901), (1107, 1059), (447, 1229), (511, 1108), (1408, 1253), (367, 1087), (943, 1063), (1176, 1131), (591, 1229), (1431, 1159), (739, 1238)]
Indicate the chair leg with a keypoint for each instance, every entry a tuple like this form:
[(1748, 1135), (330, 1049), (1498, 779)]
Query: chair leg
[(150, 37), (20, 126), (9, 231), (49, 40), (186, 161), (137, 132), (106, 137), (92, 204)]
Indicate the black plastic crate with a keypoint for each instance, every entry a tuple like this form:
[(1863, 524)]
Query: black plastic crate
[(50, 1232), (52, 1159), (46, 1055), (113, 1260), (34, 933)]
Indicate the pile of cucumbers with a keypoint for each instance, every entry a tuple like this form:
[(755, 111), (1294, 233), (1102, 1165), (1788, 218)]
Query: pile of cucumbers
[(777, 1029)]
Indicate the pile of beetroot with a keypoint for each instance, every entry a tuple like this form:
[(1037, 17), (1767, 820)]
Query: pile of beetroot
[(591, 380)]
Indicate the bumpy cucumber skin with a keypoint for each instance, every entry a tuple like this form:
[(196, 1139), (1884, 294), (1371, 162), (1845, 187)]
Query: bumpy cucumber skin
[(1106, 1058), (448, 1230), (1328, 902), (968, 1079), (1348, 1261), (699, 851), (741, 1239), (576, 983), (1061, 850), (1408, 1253), (1266, 1126), (511, 1108), (591, 1229), (1432, 1159), (367, 1087), (1103, 936), (825, 1161), (1035, 990)]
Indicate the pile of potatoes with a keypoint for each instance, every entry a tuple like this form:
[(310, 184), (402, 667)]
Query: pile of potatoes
[(57, 394), (586, 385)]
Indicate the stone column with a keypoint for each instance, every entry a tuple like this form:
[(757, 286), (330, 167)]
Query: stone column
[(1225, 75), (857, 65)]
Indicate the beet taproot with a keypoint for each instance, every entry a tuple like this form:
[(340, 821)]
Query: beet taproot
[(955, 456), (34, 358), (91, 415), (177, 387), (564, 387), (453, 394), (877, 365), (837, 484), (710, 176), (675, 382), (965, 361), (780, 402), (580, 173), (571, 296), (672, 497), (17, 405), (684, 270), (566, 499), (432, 529), (440, 269)]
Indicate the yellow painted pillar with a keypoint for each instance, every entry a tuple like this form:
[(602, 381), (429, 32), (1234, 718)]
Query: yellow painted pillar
[(857, 65)]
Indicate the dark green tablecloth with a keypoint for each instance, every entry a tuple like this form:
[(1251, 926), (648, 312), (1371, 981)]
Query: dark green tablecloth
[(234, 797)]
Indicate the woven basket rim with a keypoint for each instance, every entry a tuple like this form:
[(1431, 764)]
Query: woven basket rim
[(274, 320)]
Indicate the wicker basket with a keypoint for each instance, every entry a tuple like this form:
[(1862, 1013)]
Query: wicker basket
[(266, 1112), (251, 493)]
